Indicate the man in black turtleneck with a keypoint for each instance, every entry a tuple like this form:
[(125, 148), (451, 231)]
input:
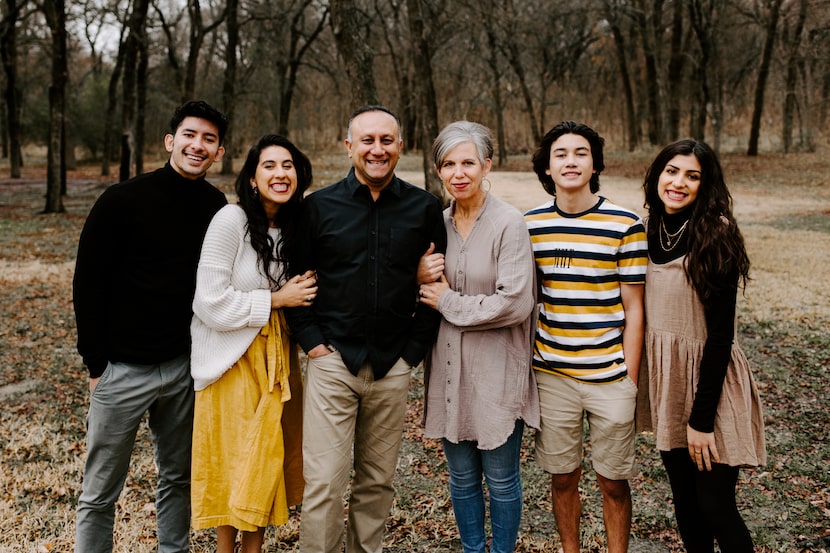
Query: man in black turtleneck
[(133, 289)]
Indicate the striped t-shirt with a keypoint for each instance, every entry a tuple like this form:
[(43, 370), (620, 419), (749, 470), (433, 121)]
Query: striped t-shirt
[(581, 260)]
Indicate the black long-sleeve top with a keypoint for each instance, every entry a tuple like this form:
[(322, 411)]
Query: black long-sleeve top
[(720, 330), (135, 272), (366, 255)]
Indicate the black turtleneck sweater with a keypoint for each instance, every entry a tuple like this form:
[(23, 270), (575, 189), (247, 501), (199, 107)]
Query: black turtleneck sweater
[(135, 273), (720, 328)]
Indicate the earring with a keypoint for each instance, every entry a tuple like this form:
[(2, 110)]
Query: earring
[(255, 192), (487, 185)]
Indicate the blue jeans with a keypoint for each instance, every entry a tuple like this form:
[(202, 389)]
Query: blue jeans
[(117, 406), (500, 468)]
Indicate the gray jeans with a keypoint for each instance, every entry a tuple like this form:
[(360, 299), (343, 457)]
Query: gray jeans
[(117, 406)]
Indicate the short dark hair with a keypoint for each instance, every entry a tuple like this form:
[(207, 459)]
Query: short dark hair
[(366, 109), (201, 110), (541, 157)]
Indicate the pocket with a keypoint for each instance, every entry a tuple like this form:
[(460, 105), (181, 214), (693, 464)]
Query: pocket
[(106, 377)]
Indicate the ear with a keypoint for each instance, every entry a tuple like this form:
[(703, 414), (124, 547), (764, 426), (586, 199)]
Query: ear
[(488, 164), (220, 153), (168, 142), (348, 144)]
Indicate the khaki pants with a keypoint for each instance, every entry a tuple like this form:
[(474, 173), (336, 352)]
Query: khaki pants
[(345, 413)]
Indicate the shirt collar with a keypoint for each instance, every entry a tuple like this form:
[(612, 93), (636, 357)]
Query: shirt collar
[(353, 185)]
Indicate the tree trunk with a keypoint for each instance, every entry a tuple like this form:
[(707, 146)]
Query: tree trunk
[(675, 85), (8, 53), (350, 33), (55, 12), (141, 102), (136, 24), (229, 83), (298, 50), (112, 106), (425, 87), (794, 62), (621, 51), (763, 74), (495, 91), (646, 19)]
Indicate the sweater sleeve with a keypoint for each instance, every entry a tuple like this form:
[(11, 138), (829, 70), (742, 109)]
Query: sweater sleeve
[(512, 300), (92, 277), (717, 351), (217, 302)]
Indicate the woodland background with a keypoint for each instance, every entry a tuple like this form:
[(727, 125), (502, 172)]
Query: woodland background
[(87, 88), (96, 80)]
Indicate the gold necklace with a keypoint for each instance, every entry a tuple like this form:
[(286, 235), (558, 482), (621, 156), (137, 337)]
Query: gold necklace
[(672, 239)]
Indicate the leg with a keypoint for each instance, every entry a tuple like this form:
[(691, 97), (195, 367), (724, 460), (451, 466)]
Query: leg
[(501, 468), (252, 541), (378, 434), (226, 539), (330, 409), (467, 493), (716, 498), (116, 407), (171, 423), (695, 532), (610, 410), (616, 512), (559, 450), (567, 508)]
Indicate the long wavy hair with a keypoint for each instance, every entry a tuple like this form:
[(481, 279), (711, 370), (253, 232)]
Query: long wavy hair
[(288, 215), (716, 252)]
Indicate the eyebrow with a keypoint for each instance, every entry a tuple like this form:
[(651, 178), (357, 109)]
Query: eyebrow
[(579, 148), (678, 168)]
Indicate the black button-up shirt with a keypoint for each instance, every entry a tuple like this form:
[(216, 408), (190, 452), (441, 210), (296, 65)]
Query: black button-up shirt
[(366, 255)]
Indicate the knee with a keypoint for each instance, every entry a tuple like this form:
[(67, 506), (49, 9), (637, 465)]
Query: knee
[(565, 482), (616, 490)]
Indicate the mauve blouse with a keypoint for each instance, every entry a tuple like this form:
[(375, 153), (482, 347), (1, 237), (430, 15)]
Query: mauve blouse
[(479, 378)]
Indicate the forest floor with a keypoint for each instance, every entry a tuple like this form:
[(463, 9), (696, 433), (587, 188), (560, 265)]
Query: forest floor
[(782, 204)]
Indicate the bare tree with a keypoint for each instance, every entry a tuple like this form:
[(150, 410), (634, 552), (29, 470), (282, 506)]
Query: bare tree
[(425, 87), (350, 27), (773, 9), (11, 93), (229, 82), (136, 37), (616, 15), (791, 37), (55, 12)]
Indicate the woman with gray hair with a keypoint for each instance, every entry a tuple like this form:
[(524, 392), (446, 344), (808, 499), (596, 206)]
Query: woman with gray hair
[(480, 388)]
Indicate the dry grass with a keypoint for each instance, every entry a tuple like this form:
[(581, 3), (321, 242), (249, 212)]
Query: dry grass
[(785, 319)]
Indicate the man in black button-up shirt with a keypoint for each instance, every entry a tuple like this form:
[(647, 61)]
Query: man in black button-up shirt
[(364, 237)]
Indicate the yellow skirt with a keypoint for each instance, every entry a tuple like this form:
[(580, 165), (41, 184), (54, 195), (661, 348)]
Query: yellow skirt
[(247, 463)]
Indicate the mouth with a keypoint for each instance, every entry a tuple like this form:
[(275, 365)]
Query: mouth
[(280, 187), (196, 158), (675, 196)]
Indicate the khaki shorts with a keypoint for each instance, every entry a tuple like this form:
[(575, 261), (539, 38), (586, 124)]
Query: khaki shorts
[(610, 415)]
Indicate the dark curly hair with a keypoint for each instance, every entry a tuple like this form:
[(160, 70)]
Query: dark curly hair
[(541, 157), (716, 253), (288, 215)]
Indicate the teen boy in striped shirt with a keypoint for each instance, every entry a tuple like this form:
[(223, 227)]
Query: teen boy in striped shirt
[(591, 258)]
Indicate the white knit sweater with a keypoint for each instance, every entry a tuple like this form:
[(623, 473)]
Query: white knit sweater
[(233, 297)]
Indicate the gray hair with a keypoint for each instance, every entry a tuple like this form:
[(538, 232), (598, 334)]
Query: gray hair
[(460, 132)]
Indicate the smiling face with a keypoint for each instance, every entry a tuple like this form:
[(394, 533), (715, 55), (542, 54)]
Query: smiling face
[(375, 146), (679, 183), (275, 178), (571, 164), (194, 147), (462, 173)]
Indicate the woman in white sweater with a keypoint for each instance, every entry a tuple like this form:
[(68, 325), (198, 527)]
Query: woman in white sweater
[(247, 455)]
